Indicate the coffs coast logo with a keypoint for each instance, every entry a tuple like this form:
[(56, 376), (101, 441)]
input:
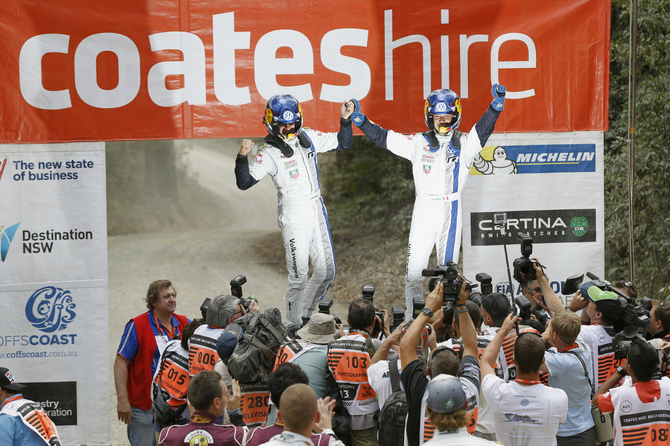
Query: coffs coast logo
[(6, 237), (50, 309)]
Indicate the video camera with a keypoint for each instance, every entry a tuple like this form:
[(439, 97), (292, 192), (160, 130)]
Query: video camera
[(524, 271), (632, 314), (447, 275), (368, 294), (236, 290)]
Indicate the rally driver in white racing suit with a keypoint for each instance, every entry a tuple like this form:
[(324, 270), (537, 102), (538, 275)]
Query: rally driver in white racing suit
[(289, 156), (441, 160)]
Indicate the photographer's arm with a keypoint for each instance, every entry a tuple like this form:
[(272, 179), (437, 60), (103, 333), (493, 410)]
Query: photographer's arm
[(488, 361), (382, 352), (611, 382), (411, 338), (468, 331), (550, 298)]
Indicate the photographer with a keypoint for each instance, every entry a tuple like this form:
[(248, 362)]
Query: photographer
[(484, 425), (443, 362), (659, 326), (223, 310), (568, 363), (525, 411), (601, 309), (641, 413), (348, 361)]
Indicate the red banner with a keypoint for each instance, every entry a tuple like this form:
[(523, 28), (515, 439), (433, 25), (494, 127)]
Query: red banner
[(81, 70)]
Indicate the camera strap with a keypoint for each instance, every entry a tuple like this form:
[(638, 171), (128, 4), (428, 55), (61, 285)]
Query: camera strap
[(586, 373)]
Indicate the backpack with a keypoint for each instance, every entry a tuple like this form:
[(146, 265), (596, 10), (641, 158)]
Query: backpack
[(392, 417), (164, 414), (257, 347)]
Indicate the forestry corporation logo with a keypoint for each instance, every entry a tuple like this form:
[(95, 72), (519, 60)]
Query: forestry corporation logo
[(6, 237)]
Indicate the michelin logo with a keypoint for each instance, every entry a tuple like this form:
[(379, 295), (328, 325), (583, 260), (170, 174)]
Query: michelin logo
[(549, 158)]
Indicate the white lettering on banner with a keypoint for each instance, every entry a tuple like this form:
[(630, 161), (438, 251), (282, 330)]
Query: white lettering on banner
[(86, 72), (192, 68), (390, 45), (334, 60), (496, 64), (465, 45), (30, 72), (302, 62), (226, 41), (267, 66)]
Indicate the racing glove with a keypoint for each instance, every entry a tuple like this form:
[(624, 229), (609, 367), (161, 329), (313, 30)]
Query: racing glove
[(498, 92), (357, 117)]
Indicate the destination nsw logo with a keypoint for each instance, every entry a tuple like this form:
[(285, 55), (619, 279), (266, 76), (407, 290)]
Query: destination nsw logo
[(550, 226), (50, 309), (6, 237)]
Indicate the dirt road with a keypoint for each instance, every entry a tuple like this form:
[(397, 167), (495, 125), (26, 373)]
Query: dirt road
[(199, 263)]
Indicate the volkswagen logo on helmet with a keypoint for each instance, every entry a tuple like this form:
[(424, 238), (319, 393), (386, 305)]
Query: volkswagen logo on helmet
[(288, 116), (440, 107)]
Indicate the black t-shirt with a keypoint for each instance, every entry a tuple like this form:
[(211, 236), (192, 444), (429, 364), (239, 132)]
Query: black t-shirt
[(415, 381)]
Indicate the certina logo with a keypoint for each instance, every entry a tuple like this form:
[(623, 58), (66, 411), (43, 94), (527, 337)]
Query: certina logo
[(546, 226), (50, 309), (551, 158), (6, 237), (513, 417), (35, 242)]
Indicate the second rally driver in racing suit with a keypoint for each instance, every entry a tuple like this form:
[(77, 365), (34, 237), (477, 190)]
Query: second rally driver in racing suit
[(289, 156), (441, 159)]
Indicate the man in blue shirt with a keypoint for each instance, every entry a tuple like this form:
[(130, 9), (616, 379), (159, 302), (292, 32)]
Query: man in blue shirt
[(22, 422), (137, 357)]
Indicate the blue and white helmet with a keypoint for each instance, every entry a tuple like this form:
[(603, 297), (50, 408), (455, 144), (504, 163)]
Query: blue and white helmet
[(282, 109), (442, 102)]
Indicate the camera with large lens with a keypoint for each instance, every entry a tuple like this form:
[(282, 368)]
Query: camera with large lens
[(524, 271), (448, 276), (236, 290), (632, 314), (623, 340), (398, 315), (368, 294)]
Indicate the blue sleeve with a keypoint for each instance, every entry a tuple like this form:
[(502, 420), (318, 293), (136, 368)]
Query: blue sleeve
[(375, 132), (242, 176), (129, 345), (7, 429), (486, 124), (345, 137)]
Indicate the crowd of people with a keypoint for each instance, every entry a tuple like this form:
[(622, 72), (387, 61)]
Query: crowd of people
[(467, 372)]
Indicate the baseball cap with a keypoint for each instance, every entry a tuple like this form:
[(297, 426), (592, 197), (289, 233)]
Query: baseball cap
[(496, 305), (8, 382), (321, 329), (445, 394), (592, 292)]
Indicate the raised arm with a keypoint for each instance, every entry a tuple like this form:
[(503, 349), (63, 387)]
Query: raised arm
[(243, 178), (488, 360), (411, 338), (487, 122), (467, 327)]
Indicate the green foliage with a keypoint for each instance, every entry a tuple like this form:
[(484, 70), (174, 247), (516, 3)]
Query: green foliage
[(368, 190), (652, 150)]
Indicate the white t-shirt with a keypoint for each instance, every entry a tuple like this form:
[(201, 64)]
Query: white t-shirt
[(379, 378), (525, 415), (599, 340)]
